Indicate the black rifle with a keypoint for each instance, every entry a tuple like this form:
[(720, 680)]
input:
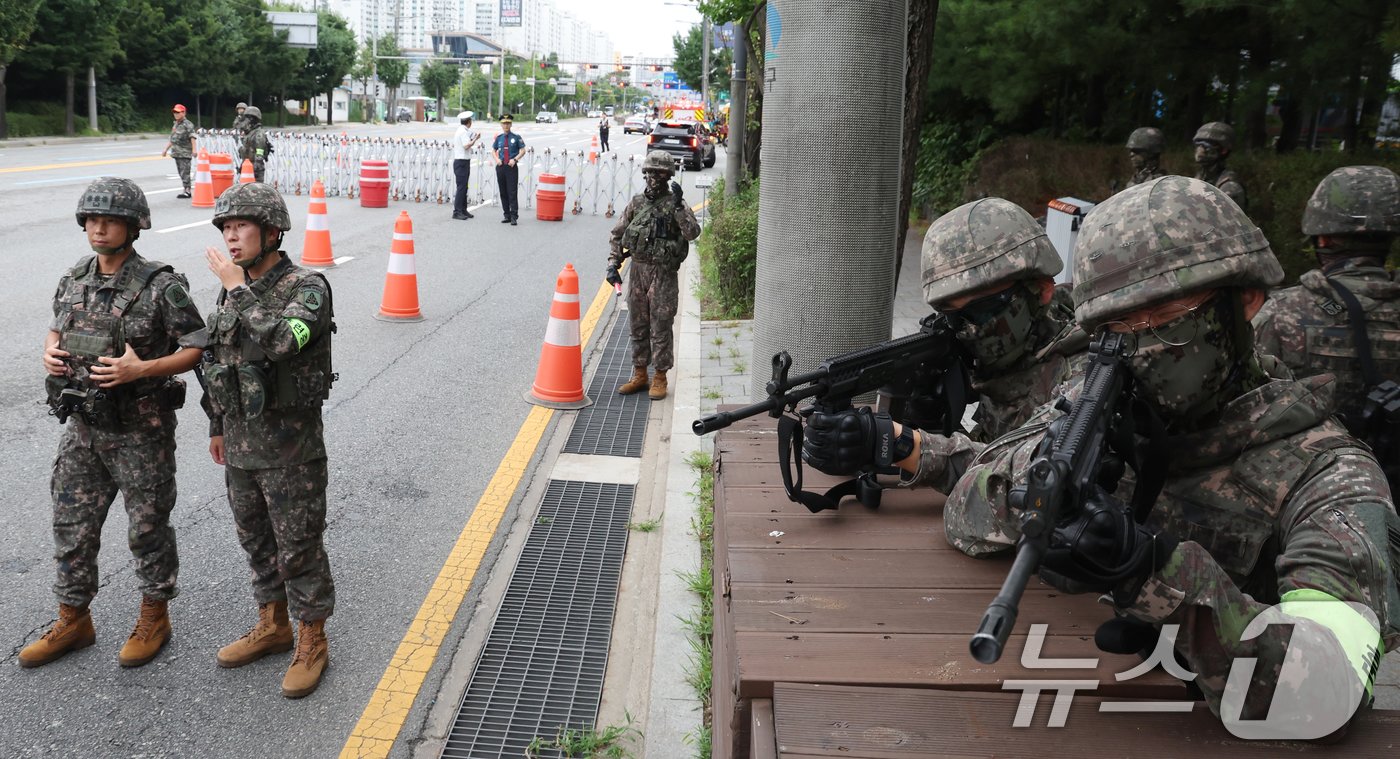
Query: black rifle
[(1060, 479), (924, 373)]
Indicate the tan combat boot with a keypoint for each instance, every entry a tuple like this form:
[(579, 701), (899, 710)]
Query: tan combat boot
[(638, 381), (658, 386), (271, 635), (310, 660), (71, 632), (150, 634)]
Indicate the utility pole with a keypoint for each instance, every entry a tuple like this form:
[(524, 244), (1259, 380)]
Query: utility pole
[(92, 98), (738, 109), (501, 106), (705, 62)]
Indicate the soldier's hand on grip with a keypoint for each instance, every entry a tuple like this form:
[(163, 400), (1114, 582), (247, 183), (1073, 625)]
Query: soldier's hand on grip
[(1104, 550), (613, 278), (841, 443), (676, 190)]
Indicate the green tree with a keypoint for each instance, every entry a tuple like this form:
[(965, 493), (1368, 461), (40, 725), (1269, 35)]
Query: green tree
[(439, 77), (17, 20), (689, 61), (392, 71), (364, 72), (72, 36), (332, 59)]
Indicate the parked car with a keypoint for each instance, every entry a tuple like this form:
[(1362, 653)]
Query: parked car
[(689, 142), (636, 123), (546, 117), (595, 114)]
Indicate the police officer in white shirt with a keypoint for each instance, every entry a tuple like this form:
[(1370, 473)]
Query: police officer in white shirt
[(462, 143)]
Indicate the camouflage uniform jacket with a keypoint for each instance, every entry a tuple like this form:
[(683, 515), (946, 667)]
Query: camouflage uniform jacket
[(283, 316), (159, 322), (1307, 328), (1229, 182), (633, 233), (1145, 174), (182, 139), (255, 146), (1006, 401), (1275, 498)]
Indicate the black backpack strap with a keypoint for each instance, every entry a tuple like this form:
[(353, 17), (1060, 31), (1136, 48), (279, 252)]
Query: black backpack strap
[(1357, 316), (135, 283)]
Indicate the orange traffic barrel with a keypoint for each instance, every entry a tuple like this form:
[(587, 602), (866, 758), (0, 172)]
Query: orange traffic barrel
[(549, 199), (221, 172), (374, 183)]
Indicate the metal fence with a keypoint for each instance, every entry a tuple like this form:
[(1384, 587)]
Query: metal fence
[(421, 170)]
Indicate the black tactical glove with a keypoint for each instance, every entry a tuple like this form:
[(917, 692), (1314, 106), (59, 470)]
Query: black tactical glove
[(676, 190), (613, 278), (1104, 551), (848, 441)]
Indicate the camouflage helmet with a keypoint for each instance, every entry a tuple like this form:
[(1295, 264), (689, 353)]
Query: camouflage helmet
[(659, 160), (114, 196), (1354, 200), (252, 112), (256, 201), (982, 243), (1162, 240), (1148, 140), (1217, 132)]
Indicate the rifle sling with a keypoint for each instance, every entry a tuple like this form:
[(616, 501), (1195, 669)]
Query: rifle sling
[(1357, 316), (790, 449)]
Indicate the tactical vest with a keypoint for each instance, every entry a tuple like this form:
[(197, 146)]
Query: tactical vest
[(88, 334), (653, 236), (239, 376)]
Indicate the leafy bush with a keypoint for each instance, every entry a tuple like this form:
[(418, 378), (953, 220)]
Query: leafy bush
[(944, 165), (728, 251), (116, 108)]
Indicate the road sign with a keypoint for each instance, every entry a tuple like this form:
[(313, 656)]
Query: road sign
[(567, 87)]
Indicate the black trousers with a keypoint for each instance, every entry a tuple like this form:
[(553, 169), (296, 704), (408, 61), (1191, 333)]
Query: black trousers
[(508, 180), (603, 138), (462, 169)]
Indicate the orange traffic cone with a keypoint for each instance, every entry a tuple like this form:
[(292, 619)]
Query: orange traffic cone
[(559, 379), (203, 183), (246, 175), (400, 302), (316, 249), (593, 150)]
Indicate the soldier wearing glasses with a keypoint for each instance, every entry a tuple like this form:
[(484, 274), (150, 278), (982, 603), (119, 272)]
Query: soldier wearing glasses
[(990, 268), (1266, 503)]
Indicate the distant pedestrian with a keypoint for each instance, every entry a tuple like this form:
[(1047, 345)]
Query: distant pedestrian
[(603, 133), (255, 146), (181, 147), (462, 143), (508, 146), (238, 116)]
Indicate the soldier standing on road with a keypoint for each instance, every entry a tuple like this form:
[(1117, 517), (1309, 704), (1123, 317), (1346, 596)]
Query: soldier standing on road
[(655, 231), (267, 371), (1264, 499), (238, 116), (1213, 144), (181, 147), (462, 143), (1145, 146), (255, 146), (988, 267), (1343, 318), (123, 327), (508, 147), (603, 129)]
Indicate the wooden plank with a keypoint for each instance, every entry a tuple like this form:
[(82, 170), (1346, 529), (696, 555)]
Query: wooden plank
[(760, 500), (925, 661), (894, 723), (837, 568), (856, 530), (763, 739), (809, 610)]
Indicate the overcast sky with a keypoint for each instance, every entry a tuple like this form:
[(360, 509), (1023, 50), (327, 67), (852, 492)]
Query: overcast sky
[(637, 27)]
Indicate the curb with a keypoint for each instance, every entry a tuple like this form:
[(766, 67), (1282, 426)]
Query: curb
[(29, 142)]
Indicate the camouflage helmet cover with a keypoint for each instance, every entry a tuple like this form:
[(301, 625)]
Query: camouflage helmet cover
[(256, 201), (114, 196), (1162, 240), (1354, 200), (981, 243), (659, 160), (252, 112), (1217, 132), (1148, 140)]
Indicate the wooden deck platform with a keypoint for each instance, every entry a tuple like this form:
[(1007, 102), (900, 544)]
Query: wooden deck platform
[(846, 634)]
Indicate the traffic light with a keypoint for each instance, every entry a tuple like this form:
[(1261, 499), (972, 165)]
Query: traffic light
[(593, 65), (542, 65), (655, 68)]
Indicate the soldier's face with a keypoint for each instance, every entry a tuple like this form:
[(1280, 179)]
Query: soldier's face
[(243, 238), (179, 115), (656, 180), (1208, 153), (1138, 159), (105, 233)]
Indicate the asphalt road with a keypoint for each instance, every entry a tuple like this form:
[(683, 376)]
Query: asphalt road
[(417, 423)]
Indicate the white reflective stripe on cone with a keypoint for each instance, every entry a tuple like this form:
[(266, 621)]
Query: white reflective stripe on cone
[(566, 297), (562, 333), (400, 263), (317, 222), (402, 236)]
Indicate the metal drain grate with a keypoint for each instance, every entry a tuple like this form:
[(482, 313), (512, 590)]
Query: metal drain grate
[(614, 425), (543, 664)]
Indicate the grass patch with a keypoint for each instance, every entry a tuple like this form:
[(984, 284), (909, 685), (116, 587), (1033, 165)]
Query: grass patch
[(741, 367), (711, 393), (712, 355), (607, 743), (728, 250), (648, 526), (736, 353), (719, 340), (700, 626)]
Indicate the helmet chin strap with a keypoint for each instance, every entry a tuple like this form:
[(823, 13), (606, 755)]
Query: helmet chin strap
[(112, 250)]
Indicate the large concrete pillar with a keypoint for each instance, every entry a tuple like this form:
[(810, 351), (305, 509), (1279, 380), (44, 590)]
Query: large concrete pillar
[(833, 104)]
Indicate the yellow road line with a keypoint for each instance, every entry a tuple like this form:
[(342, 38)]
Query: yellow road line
[(393, 697), (104, 162)]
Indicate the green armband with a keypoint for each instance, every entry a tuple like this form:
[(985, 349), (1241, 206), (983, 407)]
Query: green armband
[(300, 331), (1360, 640)]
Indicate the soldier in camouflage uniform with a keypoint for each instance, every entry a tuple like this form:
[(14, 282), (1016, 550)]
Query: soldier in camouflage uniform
[(1265, 499), (123, 326), (181, 147), (655, 231), (267, 372), (238, 116), (255, 146), (1352, 218), (990, 268), (1213, 143), (1145, 146)]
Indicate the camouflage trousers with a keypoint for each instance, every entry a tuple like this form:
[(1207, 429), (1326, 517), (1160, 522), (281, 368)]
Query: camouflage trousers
[(182, 165), (653, 296), (85, 482), (280, 515)]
